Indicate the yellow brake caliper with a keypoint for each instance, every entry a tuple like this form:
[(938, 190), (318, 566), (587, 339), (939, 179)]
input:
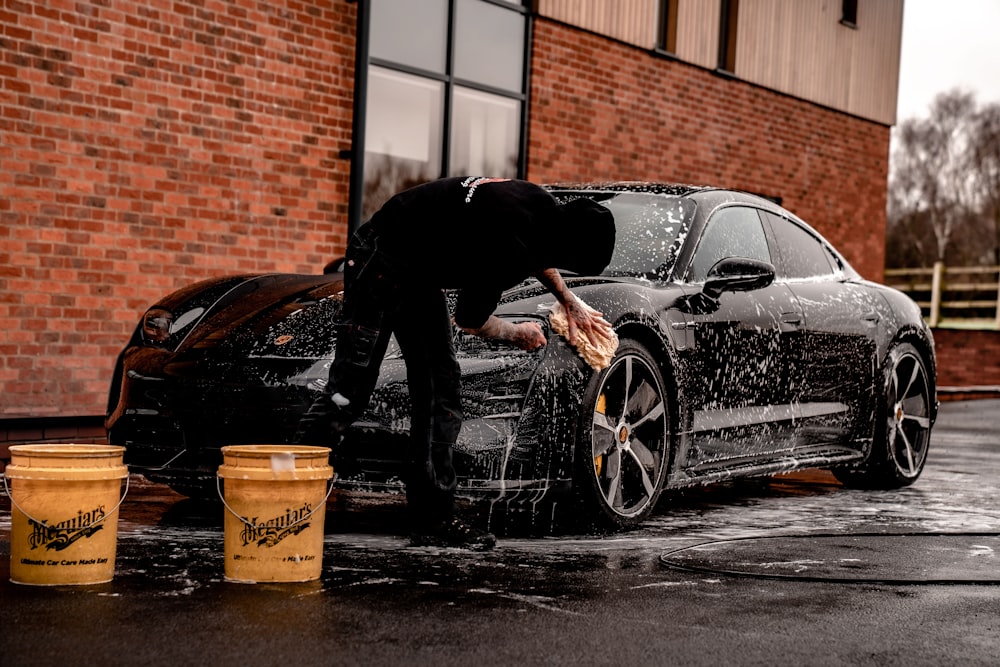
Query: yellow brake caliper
[(602, 403)]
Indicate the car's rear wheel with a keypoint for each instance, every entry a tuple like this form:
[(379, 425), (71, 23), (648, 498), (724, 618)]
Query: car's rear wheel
[(624, 447), (903, 425)]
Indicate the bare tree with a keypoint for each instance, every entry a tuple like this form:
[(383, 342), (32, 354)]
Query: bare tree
[(944, 186), (931, 182), (986, 157)]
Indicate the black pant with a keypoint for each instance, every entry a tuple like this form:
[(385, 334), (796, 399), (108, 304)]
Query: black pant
[(382, 297)]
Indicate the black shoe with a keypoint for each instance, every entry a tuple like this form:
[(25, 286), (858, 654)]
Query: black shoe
[(322, 424), (454, 533)]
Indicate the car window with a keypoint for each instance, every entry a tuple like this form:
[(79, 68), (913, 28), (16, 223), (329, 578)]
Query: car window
[(803, 255), (735, 231), (650, 227)]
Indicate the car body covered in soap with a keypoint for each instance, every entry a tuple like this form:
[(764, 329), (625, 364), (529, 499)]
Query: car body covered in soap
[(748, 346)]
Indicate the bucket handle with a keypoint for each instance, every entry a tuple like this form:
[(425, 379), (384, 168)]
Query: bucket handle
[(42, 523), (222, 497)]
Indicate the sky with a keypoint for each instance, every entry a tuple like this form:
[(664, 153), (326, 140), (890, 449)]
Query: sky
[(948, 44)]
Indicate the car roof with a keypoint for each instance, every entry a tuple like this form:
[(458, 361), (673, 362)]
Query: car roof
[(673, 189), (711, 195)]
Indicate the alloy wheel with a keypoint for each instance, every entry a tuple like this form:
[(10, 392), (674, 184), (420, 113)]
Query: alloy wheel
[(629, 436), (908, 412)]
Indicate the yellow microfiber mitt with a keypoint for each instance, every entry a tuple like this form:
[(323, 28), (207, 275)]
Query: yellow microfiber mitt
[(598, 357)]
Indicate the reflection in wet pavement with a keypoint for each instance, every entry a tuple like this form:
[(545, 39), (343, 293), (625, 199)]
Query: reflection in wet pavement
[(173, 545), (882, 558), (758, 578)]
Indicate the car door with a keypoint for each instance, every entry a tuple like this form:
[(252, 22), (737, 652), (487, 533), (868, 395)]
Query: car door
[(840, 328), (740, 371)]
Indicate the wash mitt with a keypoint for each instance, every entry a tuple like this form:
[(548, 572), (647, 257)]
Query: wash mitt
[(598, 357)]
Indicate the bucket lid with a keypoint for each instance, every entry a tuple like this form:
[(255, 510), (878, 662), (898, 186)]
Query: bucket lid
[(102, 461), (279, 462)]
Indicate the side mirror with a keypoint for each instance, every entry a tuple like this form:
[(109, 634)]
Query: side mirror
[(738, 274), (335, 266)]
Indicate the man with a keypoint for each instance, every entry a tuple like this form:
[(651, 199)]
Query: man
[(479, 236)]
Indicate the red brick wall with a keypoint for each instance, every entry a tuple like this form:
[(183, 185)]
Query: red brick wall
[(604, 110), (967, 358), (145, 145)]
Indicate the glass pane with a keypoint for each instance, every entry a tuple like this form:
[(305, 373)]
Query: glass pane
[(402, 134), (802, 254), (410, 33), (485, 134), (648, 232), (489, 45), (732, 232)]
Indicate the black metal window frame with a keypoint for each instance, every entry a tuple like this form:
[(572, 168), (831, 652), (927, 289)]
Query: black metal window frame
[(363, 61), (849, 13), (728, 19), (666, 33)]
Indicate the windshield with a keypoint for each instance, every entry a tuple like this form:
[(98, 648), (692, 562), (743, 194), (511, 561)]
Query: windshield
[(649, 230)]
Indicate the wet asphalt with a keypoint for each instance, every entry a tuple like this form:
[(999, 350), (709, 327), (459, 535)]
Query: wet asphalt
[(793, 570)]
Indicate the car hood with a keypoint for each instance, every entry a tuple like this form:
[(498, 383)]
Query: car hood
[(283, 315), (292, 316)]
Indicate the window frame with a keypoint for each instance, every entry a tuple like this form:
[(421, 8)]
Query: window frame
[(849, 13), (666, 31), (363, 60), (728, 21)]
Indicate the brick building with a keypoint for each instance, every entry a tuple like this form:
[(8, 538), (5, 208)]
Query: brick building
[(147, 144)]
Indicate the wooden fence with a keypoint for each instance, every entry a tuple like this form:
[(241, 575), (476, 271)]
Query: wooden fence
[(953, 297)]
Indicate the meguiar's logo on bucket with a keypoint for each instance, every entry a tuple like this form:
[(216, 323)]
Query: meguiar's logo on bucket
[(65, 533), (268, 533)]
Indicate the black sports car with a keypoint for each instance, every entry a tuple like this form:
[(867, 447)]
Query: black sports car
[(748, 347)]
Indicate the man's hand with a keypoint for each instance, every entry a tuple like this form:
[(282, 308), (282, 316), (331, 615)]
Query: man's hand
[(580, 318), (528, 336), (525, 335)]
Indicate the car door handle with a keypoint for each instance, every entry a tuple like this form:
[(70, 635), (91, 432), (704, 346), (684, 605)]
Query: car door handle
[(681, 326), (795, 319), (871, 319)]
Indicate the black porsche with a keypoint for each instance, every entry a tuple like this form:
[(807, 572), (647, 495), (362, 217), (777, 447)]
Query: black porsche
[(748, 346)]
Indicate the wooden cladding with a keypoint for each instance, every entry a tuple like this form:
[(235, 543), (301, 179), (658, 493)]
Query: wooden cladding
[(804, 49), (630, 21), (801, 47)]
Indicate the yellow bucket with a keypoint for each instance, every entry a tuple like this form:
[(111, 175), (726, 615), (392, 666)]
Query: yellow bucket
[(275, 497), (64, 512)]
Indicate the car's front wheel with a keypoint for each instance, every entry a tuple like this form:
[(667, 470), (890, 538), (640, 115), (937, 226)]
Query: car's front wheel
[(624, 446), (903, 425)]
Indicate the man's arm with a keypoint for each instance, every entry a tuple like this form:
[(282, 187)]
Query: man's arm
[(525, 335), (528, 335)]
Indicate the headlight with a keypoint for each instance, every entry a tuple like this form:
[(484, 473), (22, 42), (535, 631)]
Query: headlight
[(156, 325), (159, 325)]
